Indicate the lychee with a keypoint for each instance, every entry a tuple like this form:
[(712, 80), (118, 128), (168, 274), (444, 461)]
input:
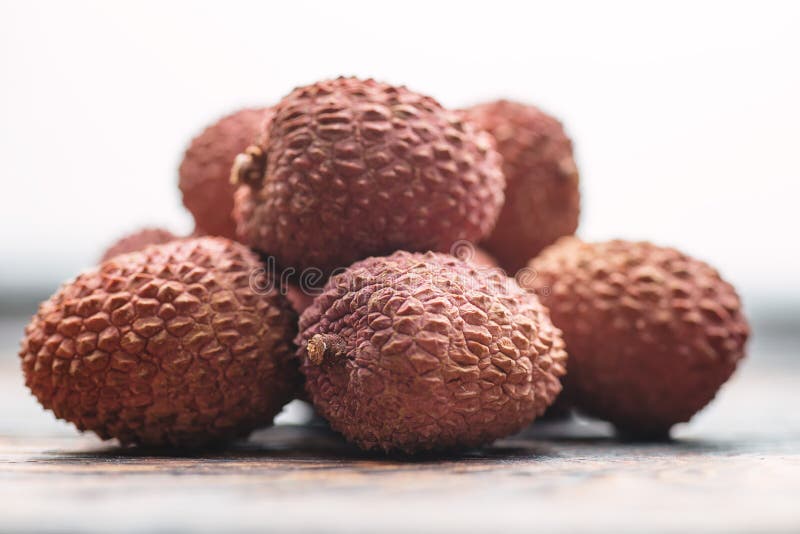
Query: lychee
[(137, 241), (206, 169), (299, 298), (416, 352), (468, 252), (652, 333), (349, 168), (542, 195), (175, 345)]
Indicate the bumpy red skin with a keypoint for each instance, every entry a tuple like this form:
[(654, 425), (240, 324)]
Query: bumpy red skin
[(652, 333), (169, 346), (355, 168), (206, 170), (542, 195), (434, 354), (137, 241)]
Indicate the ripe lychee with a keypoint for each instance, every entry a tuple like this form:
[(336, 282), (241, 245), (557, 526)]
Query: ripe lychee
[(173, 345), (416, 352), (299, 298), (542, 196), (349, 168), (206, 169), (652, 333), (483, 258), (468, 252), (137, 241)]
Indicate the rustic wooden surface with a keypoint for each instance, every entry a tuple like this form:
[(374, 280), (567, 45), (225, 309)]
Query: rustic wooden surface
[(735, 468)]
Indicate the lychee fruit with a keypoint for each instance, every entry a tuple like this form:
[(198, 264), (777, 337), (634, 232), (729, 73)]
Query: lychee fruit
[(652, 333), (468, 252), (542, 195), (484, 259), (415, 352), (349, 168), (206, 169), (137, 241), (176, 345), (299, 298)]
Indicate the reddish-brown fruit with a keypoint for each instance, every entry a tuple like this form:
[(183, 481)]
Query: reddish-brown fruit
[(652, 333), (349, 168), (137, 241), (299, 298), (168, 346), (416, 352), (206, 170), (542, 196), (483, 258), (466, 251)]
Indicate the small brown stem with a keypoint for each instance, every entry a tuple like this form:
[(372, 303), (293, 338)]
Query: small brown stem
[(249, 167), (324, 347)]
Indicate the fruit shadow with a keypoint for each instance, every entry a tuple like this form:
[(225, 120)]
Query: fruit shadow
[(310, 445), (597, 436), (317, 446)]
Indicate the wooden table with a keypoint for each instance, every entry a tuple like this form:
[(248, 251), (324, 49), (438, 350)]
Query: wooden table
[(736, 468)]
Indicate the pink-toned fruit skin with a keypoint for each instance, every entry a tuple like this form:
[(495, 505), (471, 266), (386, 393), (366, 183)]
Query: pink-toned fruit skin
[(542, 193), (652, 333), (206, 169), (415, 352), (349, 168), (137, 241), (168, 346)]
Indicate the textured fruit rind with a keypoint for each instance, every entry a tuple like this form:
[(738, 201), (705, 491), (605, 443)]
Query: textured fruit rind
[(652, 333), (437, 354), (542, 194), (206, 169), (167, 346), (355, 168), (137, 241)]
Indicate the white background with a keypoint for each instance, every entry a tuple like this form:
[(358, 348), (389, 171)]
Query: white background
[(685, 116)]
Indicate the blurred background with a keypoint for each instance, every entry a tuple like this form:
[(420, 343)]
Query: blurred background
[(685, 115)]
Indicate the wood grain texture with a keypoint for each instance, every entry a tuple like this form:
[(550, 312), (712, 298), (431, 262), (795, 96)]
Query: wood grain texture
[(736, 468)]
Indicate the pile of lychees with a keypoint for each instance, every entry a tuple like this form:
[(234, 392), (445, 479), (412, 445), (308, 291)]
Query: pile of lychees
[(333, 261)]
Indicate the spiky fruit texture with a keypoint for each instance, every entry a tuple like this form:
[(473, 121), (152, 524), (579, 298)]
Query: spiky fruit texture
[(137, 241), (652, 333), (170, 346), (416, 352), (206, 170), (542, 196), (349, 168)]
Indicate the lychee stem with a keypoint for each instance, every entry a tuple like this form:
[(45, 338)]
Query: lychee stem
[(249, 167), (323, 347)]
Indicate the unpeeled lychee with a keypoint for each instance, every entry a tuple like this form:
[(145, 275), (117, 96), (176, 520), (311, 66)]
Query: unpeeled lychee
[(137, 241), (173, 345), (652, 333), (415, 352), (299, 298), (483, 258), (542, 195), (349, 168), (206, 169), (468, 252)]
